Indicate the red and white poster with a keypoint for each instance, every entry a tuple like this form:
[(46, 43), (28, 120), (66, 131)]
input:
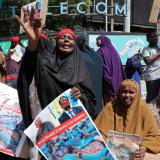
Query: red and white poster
[(64, 130)]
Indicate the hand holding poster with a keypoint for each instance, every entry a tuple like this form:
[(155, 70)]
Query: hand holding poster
[(11, 124), (40, 7), (64, 130), (122, 145)]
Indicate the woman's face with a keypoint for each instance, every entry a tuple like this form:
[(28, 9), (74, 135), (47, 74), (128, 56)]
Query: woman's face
[(128, 94), (99, 42), (66, 43)]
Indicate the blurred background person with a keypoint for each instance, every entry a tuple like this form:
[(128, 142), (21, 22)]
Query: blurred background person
[(151, 56), (133, 68), (95, 66), (13, 59), (113, 73)]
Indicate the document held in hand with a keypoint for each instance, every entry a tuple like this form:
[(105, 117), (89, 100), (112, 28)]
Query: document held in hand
[(64, 130)]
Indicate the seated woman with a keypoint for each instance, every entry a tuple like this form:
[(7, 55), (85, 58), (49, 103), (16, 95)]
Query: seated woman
[(130, 114)]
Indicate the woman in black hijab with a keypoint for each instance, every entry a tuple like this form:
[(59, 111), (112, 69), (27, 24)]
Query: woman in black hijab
[(95, 66), (46, 71)]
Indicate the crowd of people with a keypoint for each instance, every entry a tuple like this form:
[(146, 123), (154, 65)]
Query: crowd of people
[(42, 71)]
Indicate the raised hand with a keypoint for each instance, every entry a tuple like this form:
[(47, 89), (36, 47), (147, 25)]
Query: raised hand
[(32, 25)]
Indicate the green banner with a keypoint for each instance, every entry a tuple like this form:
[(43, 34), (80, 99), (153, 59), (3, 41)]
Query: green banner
[(1, 3), (5, 45)]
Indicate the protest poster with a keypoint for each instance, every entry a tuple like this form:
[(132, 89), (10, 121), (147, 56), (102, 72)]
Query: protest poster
[(122, 145), (64, 130), (17, 53), (11, 124), (40, 6)]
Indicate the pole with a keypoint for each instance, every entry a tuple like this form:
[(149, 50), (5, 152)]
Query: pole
[(106, 20), (94, 6), (128, 16), (112, 20)]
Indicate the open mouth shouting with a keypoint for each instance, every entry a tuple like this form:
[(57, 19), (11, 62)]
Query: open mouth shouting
[(66, 43)]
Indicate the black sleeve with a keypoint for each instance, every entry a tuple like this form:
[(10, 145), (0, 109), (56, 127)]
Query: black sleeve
[(24, 80)]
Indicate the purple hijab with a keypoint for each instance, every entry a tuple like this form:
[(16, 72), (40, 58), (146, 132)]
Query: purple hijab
[(113, 72), (12, 67)]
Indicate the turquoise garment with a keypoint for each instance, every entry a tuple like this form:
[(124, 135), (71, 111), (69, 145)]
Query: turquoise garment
[(85, 142), (71, 142), (4, 137), (70, 157), (90, 128), (75, 133)]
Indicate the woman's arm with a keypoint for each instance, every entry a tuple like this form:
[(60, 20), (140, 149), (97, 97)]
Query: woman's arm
[(33, 28)]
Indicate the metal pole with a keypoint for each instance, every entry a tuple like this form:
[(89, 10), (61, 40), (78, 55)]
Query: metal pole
[(94, 6), (112, 20), (106, 20), (128, 16)]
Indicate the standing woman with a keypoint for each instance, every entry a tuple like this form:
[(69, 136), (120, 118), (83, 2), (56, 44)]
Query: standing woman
[(113, 73), (46, 71), (95, 66), (13, 59), (12, 66)]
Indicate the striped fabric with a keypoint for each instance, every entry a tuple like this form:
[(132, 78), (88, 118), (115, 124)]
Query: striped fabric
[(34, 101)]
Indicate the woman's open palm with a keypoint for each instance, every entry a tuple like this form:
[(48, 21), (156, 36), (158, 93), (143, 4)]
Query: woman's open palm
[(31, 24)]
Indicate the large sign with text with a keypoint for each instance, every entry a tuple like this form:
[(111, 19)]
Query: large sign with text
[(83, 8), (65, 8)]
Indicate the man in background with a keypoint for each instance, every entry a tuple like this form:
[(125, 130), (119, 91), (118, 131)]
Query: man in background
[(151, 55)]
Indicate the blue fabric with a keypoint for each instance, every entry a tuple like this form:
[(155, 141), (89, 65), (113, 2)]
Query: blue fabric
[(137, 78), (133, 64), (133, 69)]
